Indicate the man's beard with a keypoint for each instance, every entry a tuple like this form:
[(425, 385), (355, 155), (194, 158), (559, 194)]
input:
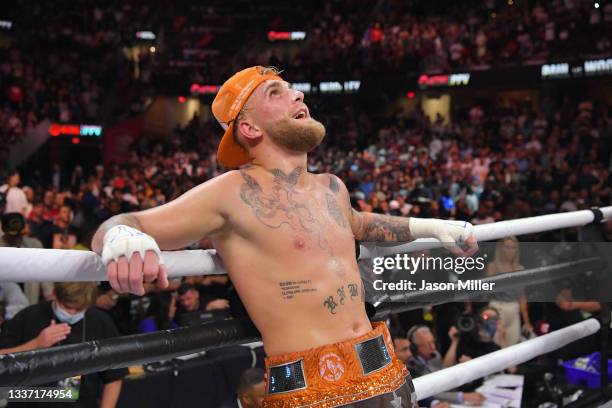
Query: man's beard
[(297, 135)]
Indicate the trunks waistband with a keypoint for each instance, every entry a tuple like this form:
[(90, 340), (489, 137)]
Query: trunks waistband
[(335, 374)]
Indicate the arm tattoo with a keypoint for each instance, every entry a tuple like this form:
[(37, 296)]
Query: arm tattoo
[(383, 228)]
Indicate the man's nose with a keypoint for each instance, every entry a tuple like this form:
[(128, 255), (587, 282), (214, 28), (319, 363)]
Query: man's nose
[(298, 96)]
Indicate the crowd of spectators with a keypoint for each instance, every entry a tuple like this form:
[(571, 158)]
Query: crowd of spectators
[(353, 39), (502, 163), (348, 39), (64, 69), (495, 34)]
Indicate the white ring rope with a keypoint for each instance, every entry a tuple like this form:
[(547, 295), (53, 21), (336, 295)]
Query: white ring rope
[(66, 265), (56, 265), (453, 377), (493, 231)]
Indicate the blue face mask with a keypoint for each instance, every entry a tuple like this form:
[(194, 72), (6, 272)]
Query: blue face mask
[(489, 329), (65, 317)]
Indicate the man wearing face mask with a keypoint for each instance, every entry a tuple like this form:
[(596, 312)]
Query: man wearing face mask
[(68, 319), (488, 336)]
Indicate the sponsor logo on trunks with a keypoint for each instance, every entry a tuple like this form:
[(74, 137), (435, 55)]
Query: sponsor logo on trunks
[(331, 367)]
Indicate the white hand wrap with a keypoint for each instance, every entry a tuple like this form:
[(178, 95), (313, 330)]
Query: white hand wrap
[(447, 232), (122, 240)]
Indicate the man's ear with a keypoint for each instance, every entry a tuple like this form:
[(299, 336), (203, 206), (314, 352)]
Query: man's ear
[(248, 130)]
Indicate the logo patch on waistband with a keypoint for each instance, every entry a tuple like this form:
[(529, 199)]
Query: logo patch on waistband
[(331, 367)]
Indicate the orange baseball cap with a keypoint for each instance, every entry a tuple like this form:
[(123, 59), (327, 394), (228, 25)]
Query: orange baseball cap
[(227, 105)]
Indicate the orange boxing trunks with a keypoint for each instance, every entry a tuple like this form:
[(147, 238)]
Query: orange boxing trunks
[(361, 373)]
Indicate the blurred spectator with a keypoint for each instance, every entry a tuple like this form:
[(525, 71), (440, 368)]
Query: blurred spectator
[(51, 209), (251, 390), (192, 309), (56, 178), (63, 321), (210, 287), (487, 336), (39, 227), (106, 299), (117, 307), (566, 311), (29, 193), (426, 359), (160, 314), (510, 304), (14, 197), (401, 345), (64, 234), (12, 299), (14, 228)]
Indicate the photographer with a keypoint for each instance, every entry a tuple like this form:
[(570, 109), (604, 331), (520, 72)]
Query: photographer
[(481, 334)]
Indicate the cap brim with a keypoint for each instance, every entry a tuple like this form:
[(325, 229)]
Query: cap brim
[(230, 154)]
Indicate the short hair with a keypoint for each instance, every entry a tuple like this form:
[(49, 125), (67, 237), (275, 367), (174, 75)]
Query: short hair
[(249, 378), (184, 288), (78, 294), (483, 309), (68, 205), (13, 223), (410, 335)]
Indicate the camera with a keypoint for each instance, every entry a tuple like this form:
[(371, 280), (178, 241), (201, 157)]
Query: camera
[(472, 323)]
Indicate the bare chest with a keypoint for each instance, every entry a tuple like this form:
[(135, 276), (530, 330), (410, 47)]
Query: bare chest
[(313, 220)]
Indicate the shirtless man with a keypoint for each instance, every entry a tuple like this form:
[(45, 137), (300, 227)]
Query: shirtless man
[(286, 238)]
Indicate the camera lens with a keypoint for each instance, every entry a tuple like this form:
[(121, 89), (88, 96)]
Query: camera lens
[(466, 324)]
